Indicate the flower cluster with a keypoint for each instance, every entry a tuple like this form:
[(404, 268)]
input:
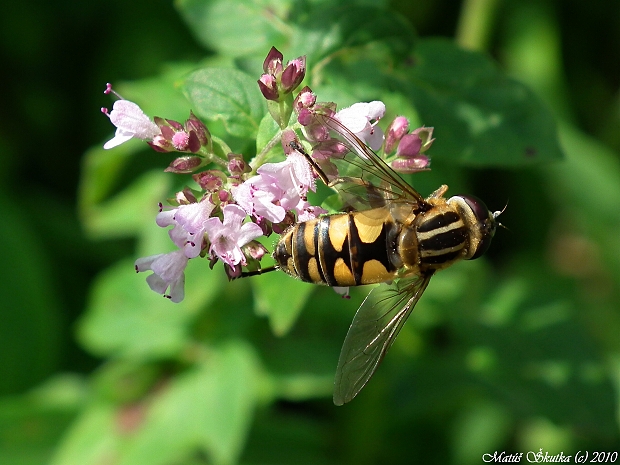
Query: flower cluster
[(237, 202)]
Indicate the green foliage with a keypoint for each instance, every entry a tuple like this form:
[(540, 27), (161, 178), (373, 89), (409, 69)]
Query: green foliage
[(512, 352), (227, 95)]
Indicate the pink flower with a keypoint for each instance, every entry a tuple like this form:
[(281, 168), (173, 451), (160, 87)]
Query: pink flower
[(292, 176), (229, 236), (130, 121), (361, 119), (168, 273), (189, 225), (258, 196), (278, 188)]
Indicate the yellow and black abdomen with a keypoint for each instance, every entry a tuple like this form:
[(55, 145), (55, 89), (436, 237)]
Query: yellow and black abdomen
[(345, 249)]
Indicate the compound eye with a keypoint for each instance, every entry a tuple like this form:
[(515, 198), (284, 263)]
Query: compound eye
[(478, 207), (486, 223)]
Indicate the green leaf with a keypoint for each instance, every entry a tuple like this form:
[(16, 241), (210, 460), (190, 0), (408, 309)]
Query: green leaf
[(329, 29), (160, 95), (126, 213), (32, 424), (229, 96), (235, 28), (481, 117), (125, 318), (91, 437), (281, 298), (209, 407)]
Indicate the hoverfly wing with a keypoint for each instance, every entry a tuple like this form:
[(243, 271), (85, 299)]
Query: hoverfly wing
[(362, 169), (373, 330)]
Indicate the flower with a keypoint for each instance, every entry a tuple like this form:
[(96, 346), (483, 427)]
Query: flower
[(174, 136), (168, 273), (229, 236), (188, 223), (293, 176), (278, 188), (258, 196), (130, 121), (361, 119)]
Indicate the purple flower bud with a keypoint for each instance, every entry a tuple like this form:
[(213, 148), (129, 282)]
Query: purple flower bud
[(175, 124), (185, 197), (233, 272), (273, 62), (193, 144), (255, 250), (289, 141), (395, 131), (223, 195), (265, 225), (409, 146), (293, 74), (268, 86), (210, 180), (237, 165), (193, 124), (184, 165), (161, 144), (167, 132), (305, 99), (411, 165)]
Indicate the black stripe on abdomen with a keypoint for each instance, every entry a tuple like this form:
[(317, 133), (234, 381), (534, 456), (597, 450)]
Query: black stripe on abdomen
[(326, 253)]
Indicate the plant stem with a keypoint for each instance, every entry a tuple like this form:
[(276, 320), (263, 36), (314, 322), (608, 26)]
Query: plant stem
[(258, 159), (476, 23)]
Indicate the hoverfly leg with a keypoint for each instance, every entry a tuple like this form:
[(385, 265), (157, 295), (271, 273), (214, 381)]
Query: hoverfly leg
[(247, 274), (318, 170), (440, 192)]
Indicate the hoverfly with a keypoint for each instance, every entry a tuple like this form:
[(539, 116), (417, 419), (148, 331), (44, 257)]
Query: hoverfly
[(392, 235)]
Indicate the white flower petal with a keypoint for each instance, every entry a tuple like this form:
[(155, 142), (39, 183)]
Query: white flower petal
[(120, 137)]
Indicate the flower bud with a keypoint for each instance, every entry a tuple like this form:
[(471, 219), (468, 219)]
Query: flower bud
[(290, 142), (304, 100), (411, 165), (184, 165), (293, 74), (268, 87), (193, 124), (237, 165), (395, 132), (210, 180), (233, 272), (265, 225), (185, 197), (180, 141), (255, 250), (273, 62), (409, 146)]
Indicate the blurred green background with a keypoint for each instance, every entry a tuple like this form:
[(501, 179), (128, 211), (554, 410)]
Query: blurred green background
[(515, 352)]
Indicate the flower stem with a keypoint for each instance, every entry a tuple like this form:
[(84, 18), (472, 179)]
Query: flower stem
[(476, 23), (260, 157)]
